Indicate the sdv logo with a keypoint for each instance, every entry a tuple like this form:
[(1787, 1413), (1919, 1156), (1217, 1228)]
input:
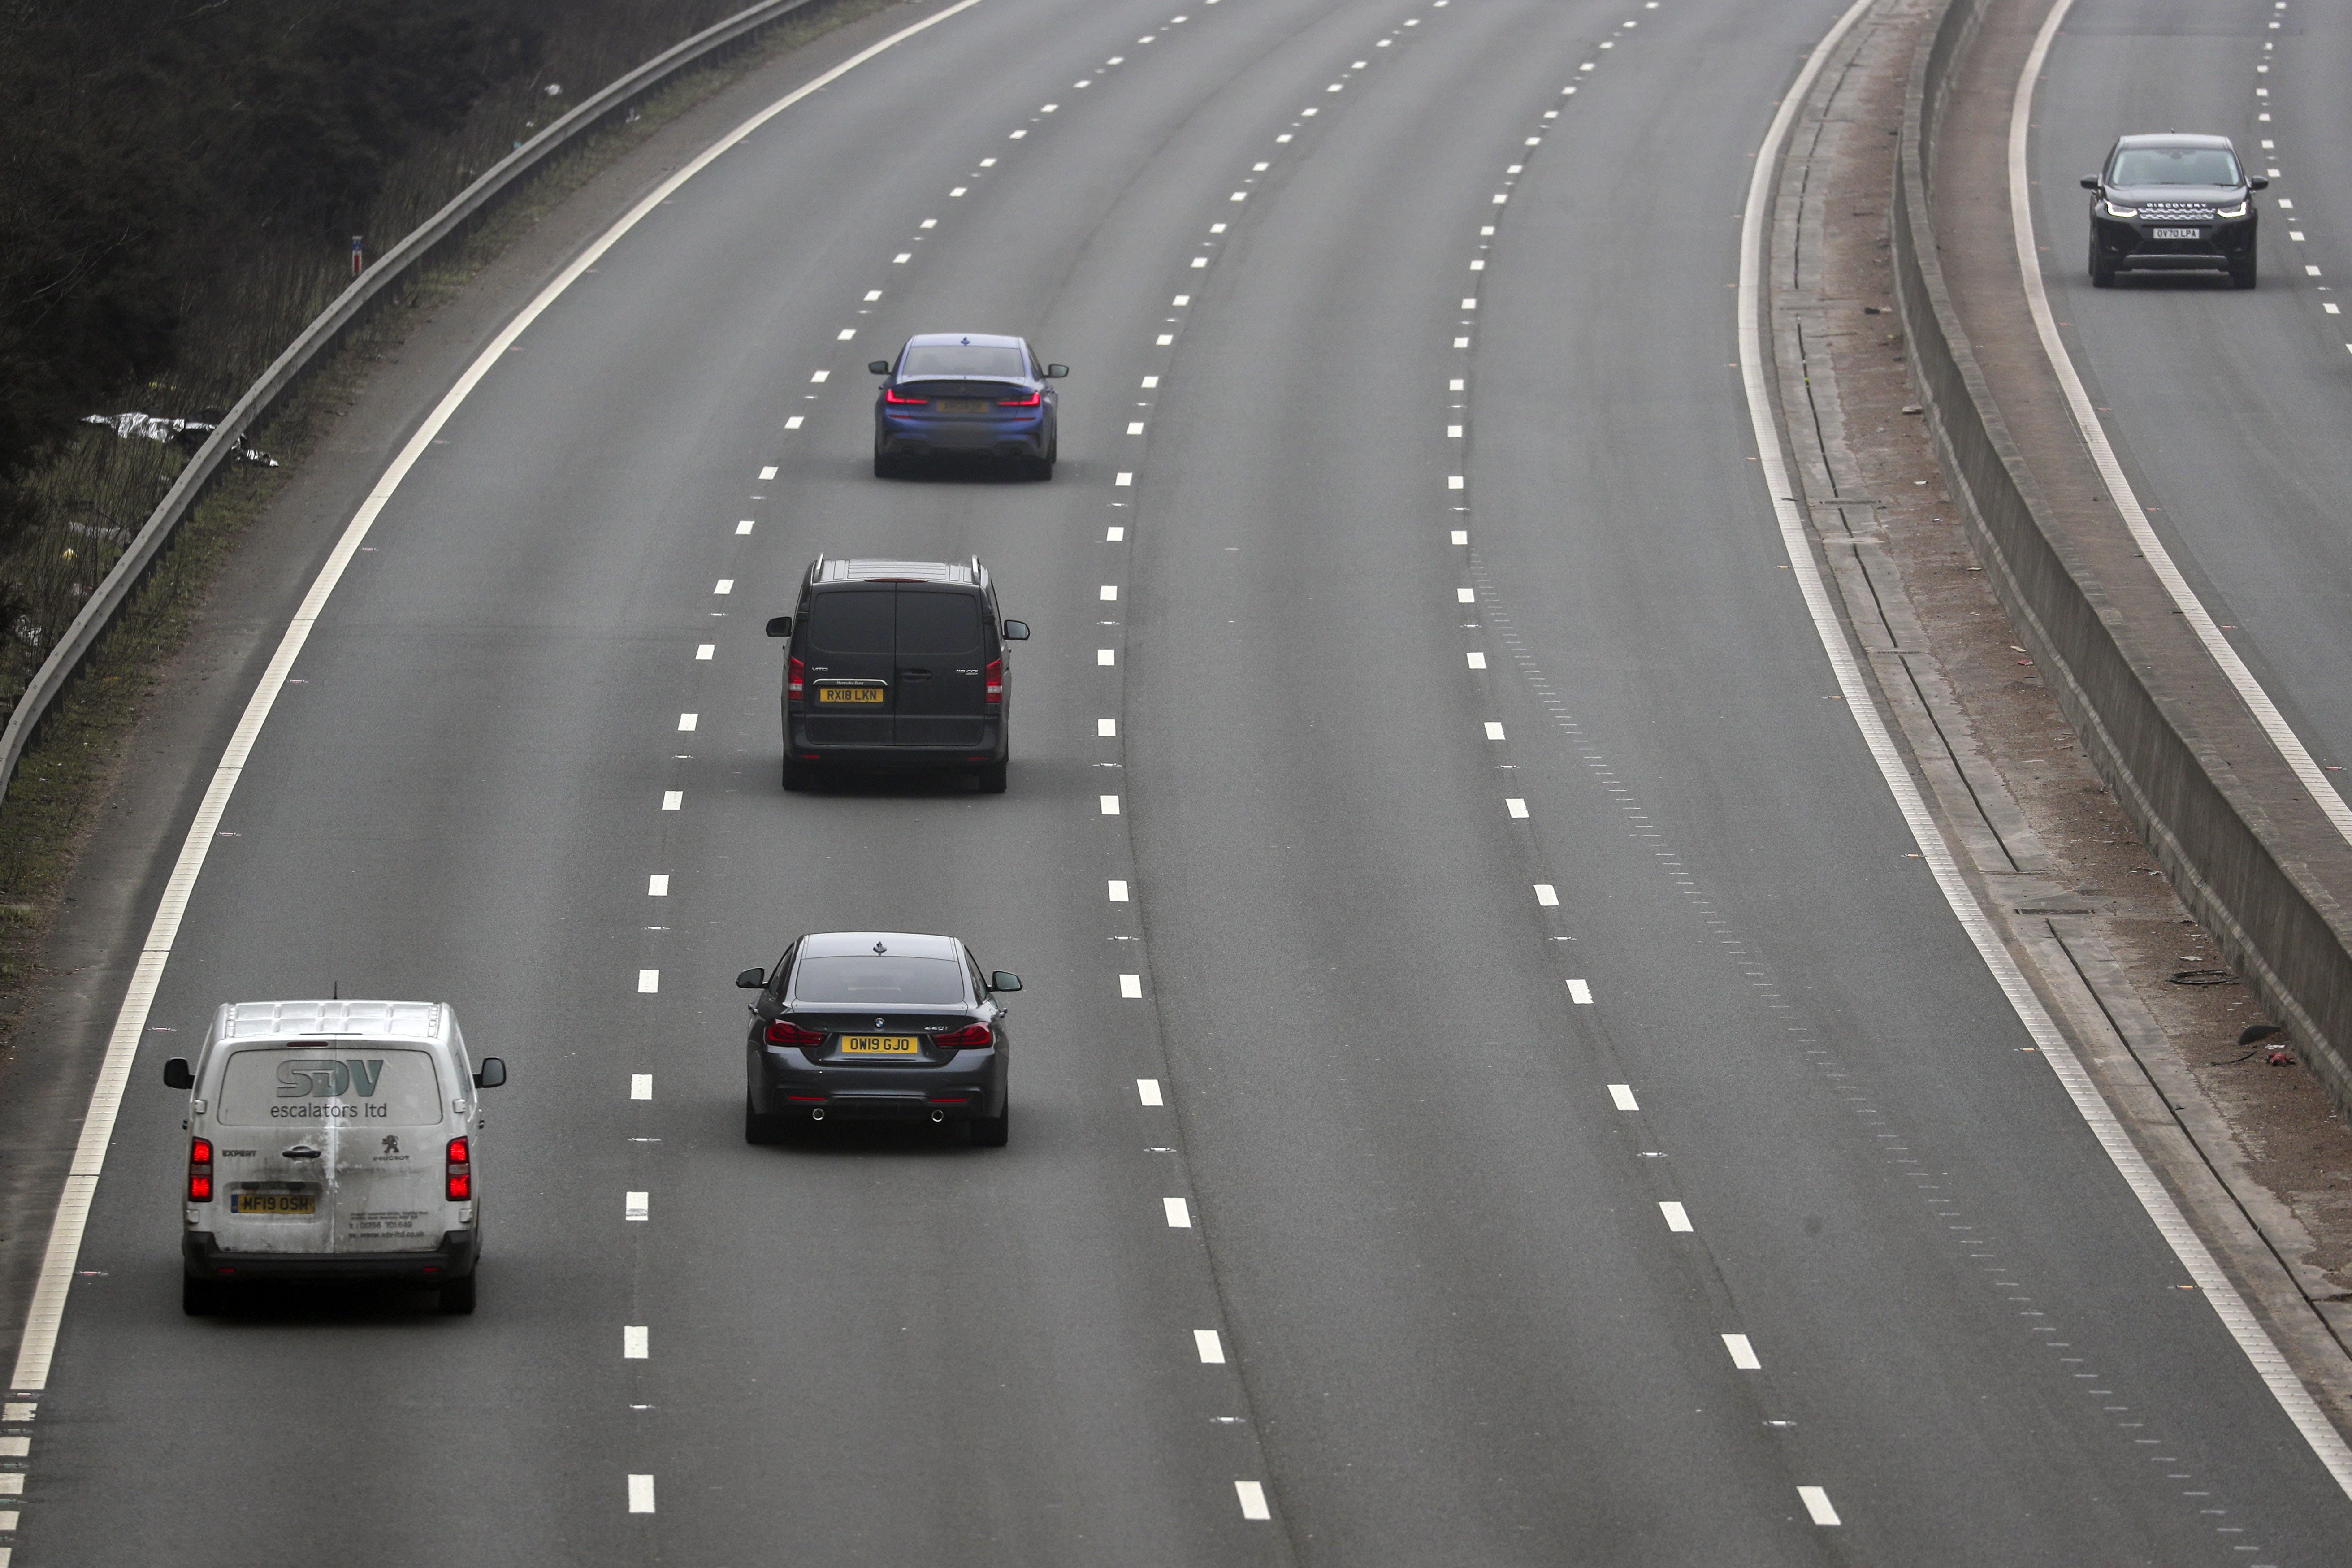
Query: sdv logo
[(327, 1079)]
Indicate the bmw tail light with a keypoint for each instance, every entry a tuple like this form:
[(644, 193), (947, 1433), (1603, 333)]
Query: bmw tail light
[(795, 678), (970, 1037), (1031, 401), (995, 682), (200, 1170), (891, 395), (784, 1032), (461, 1172)]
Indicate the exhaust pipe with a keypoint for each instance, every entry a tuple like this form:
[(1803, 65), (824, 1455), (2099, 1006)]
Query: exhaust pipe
[(938, 1116), (818, 1114)]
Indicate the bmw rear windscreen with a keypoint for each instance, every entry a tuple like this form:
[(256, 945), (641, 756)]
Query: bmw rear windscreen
[(943, 362), (878, 979), (343, 1082)]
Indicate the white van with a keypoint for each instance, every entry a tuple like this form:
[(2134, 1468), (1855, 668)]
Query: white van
[(332, 1140)]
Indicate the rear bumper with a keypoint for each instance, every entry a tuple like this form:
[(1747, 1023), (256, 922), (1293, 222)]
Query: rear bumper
[(991, 748), (783, 1082), (452, 1259), (902, 436)]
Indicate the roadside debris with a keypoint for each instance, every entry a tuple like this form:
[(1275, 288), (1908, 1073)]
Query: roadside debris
[(187, 433)]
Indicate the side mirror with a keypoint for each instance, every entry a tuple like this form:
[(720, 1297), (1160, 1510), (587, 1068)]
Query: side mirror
[(1005, 980), (490, 1074), (878, 367), (1016, 631), (2258, 184), (2090, 182), (177, 1075), (751, 979), (1057, 372), (780, 625)]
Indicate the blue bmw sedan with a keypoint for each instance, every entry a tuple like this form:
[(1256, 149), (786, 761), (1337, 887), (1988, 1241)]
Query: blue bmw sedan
[(966, 394)]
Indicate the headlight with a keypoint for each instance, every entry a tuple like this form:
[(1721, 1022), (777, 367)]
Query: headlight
[(2114, 211), (2238, 211)]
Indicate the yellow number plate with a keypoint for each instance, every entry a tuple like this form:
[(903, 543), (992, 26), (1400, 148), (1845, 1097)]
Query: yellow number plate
[(881, 1045), (849, 694), (273, 1202)]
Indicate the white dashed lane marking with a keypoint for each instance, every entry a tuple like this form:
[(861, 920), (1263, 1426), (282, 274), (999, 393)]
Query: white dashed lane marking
[(1110, 806), (768, 473), (1743, 1355), (1109, 593), (1106, 655), (1547, 895), (1118, 893), (636, 1205), (1817, 1505), (1516, 806), (1466, 596), (633, 1342), (657, 885), (1621, 1095), (1130, 987), (1212, 1348), (672, 799), (1581, 993), (688, 720), (1494, 730), (1106, 727), (1252, 1499), (648, 981), (724, 585), (1676, 1218), (821, 377), (706, 651), (641, 1085), (1147, 1089), (641, 1494), (1477, 660), (1179, 1212)]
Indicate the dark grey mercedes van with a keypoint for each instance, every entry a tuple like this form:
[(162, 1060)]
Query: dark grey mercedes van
[(895, 664)]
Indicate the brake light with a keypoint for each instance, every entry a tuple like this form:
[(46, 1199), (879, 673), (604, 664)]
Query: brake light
[(1031, 401), (995, 681), (784, 1032), (970, 1037), (892, 395), (461, 1172), (200, 1170), (795, 678)]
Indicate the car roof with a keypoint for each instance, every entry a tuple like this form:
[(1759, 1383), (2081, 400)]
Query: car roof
[(978, 340), (873, 568), (852, 944), (2174, 139), (294, 1020)]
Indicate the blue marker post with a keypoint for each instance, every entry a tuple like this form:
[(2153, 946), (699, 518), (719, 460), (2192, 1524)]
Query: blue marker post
[(356, 262)]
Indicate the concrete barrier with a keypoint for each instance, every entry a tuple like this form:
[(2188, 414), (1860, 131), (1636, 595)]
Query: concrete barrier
[(369, 292), (2247, 863)]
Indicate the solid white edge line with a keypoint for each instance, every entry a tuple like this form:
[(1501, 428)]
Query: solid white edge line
[(1936, 854), (2111, 471), (38, 1343)]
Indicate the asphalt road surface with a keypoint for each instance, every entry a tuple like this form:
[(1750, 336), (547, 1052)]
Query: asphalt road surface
[(2227, 408), (1596, 1140)]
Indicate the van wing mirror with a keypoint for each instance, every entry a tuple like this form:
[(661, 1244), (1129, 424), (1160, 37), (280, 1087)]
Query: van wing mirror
[(1057, 372), (490, 1074), (878, 367), (1005, 980), (2090, 182), (780, 625), (1016, 631), (751, 979), (178, 1075)]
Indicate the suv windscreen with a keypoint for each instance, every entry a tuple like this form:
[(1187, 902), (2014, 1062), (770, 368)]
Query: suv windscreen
[(855, 620), (347, 1082), (939, 623), (945, 360), (2174, 166), (879, 979)]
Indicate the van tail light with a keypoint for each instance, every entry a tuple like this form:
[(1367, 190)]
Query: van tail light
[(461, 1172), (796, 680), (970, 1037), (200, 1170), (1031, 401), (995, 682), (892, 395), (784, 1032)]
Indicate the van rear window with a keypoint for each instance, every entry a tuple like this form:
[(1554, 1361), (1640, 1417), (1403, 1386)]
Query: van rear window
[(851, 621), (346, 1082), (936, 623)]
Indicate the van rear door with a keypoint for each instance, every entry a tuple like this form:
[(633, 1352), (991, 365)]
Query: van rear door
[(329, 1146), (942, 657), (850, 667)]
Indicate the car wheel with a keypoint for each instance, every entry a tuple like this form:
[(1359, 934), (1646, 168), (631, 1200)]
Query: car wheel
[(458, 1296), (991, 1131), (991, 779), (2103, 271), (797, 774), (885, 466), (199, 1298), (758, 1129), (2243, 274)]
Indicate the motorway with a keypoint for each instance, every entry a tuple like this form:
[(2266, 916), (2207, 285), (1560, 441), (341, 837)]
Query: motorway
[(1596, 1140), (2226, 408)]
